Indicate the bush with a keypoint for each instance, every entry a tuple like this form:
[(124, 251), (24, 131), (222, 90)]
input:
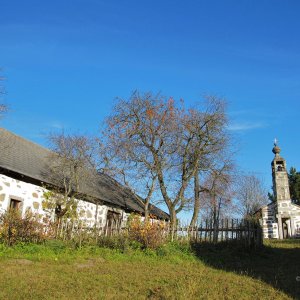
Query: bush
[(15, 229), (149, 234)]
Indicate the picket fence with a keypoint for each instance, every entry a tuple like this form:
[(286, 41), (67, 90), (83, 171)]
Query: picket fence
[(247, 232)]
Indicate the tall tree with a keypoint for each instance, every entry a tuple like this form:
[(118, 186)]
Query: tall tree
[(167, 139), (212, 162), (251, 194), (294, 183)]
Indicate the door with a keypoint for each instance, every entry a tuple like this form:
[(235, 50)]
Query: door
[(113, 223), (285, 228)]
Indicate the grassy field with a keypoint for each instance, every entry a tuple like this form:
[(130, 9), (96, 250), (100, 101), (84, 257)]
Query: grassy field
[(173, 272)]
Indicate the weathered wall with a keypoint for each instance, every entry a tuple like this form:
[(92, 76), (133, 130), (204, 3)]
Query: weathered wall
[(269, 222), (32, 196), (282, 186), (286, 209)]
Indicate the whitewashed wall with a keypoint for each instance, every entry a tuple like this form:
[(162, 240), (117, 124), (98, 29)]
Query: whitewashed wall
[(32, 196), (269, 222), (285, 208)]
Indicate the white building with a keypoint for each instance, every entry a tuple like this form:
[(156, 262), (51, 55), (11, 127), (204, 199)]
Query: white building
[(22, 182), (281, 218)]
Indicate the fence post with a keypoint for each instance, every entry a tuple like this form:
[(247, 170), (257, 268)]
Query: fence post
[(201, 231), (215, 230), (226, 228), (210, 230), (205, 232), (222, 228)]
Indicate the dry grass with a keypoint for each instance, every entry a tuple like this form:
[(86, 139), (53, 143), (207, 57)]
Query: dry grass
[(108, 274)]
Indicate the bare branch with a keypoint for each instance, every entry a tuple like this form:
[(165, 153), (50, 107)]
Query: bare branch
[(153, 135)]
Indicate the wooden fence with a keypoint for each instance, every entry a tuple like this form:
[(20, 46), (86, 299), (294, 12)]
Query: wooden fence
[(245, 232), (225, 230)]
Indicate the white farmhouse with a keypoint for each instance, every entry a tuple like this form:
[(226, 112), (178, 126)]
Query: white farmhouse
[(22, 185)]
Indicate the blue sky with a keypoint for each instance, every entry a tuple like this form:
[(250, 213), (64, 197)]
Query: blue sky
[(66, 61)]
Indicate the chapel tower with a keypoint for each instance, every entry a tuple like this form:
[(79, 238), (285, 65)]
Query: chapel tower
[(280, 219), (280, 176)]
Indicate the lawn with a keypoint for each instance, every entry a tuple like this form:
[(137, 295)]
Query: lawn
[(55, 271)]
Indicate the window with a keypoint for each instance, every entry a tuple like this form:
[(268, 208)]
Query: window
[(15, 204)]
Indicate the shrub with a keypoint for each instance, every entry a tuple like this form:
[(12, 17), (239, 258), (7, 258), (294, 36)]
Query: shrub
[(14, 228), (149, 234)]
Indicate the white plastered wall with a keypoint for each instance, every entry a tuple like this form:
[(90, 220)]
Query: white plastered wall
[(31, 197), (269, 222)]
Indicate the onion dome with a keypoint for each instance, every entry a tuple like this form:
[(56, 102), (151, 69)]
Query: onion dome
[(276, 150)]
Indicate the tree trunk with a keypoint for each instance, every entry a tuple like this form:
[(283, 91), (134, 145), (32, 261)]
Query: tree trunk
[(146, 208), (196, 200), (216, 215), (215, 224), (173, 222)]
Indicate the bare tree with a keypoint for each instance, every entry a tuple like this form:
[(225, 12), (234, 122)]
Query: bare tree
[(251, 194), (122, 162), (123, 154), (168, 140), (71, 168), (212, 162), (218, 189)]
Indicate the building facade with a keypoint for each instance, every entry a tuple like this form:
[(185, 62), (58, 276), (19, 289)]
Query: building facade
[(23, 185), (281, 218)]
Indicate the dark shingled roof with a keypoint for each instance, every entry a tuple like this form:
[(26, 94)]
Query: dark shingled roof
[(29, 160)]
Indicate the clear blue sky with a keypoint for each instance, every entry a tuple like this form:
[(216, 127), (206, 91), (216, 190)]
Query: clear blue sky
[(65, 62)]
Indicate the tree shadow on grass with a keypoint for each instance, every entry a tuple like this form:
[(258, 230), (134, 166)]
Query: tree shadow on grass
[(276, 264)]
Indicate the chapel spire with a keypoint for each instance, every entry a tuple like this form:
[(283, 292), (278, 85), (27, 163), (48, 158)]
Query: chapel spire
[(276, 150)]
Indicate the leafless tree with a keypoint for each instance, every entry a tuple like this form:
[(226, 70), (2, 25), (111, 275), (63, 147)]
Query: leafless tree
[(251, 194), (166, 139), (121, 162), (123, 154), (71, 168), (218, 193), (218, 188), (216, 145)]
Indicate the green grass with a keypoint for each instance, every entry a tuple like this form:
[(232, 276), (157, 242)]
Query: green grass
[(58, 271)]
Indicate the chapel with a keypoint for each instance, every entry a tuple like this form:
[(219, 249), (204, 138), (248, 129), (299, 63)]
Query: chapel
[(280, 219)]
